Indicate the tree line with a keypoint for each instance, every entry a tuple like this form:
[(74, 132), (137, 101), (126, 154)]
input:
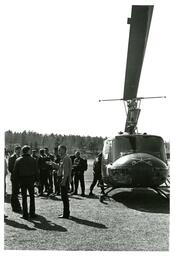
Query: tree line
[(86, 144)]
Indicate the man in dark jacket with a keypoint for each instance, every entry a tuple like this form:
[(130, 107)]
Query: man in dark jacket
[(16, 207), (72, 157), (56, 177), (25, 171), (97, 175), (79, 166), (49, 157), (43, 170)]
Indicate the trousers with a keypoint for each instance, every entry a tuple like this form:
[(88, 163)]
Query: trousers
[(65, 199), (14, 196), (97, 178), (27, 184), (77, 178)]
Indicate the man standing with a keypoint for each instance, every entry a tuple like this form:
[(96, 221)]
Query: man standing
[(16, 207), (49, 157), (79, 166), (25, 172), (56, 175), (5, 174), (43, 169), (72, 157), (65, 168)]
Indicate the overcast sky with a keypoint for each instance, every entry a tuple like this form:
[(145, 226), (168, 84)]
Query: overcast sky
[(60, 57)]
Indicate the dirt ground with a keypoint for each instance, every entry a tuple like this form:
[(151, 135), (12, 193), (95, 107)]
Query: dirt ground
[(132, 220)]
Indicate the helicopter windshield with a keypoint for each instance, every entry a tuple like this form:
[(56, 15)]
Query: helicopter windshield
[(124, 145)]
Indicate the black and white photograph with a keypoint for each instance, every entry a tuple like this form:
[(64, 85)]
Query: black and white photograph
[(86, 126)]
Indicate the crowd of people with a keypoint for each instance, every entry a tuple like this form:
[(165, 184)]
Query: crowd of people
[(51, 174)]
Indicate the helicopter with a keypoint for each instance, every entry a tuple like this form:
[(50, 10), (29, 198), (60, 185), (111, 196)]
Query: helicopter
[(131, 159)]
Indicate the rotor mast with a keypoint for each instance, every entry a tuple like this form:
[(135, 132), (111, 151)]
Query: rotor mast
[(139, 29), (132, 108)]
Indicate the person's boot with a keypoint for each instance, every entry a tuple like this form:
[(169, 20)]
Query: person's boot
[(91, 194), (74, 193)]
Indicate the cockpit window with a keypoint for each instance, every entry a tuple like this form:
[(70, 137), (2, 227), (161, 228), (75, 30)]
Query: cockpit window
[(125, 145)]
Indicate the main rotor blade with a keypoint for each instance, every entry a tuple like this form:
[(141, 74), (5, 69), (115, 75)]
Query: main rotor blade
[(110, 100), (139, 28)]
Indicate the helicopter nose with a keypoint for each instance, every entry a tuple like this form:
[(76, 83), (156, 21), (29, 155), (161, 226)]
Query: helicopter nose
[(141, 173)]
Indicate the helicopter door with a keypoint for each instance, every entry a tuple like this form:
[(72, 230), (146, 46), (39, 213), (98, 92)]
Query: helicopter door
[(107, 151)]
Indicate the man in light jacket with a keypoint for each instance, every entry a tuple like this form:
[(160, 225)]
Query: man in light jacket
[(65, 169)]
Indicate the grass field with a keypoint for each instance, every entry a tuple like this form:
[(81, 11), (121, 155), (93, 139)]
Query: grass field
[(132, 220)]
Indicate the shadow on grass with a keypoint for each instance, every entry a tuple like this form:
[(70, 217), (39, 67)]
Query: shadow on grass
[(76, 198), (42, 223), (54, 198), (143, 200), (16, 224), (88, 223), (93, 197)]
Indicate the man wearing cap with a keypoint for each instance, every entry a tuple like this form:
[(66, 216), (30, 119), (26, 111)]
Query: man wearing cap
[(26, 173), (16, 207)]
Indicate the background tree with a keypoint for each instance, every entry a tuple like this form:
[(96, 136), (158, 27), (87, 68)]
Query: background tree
[(86, 144)]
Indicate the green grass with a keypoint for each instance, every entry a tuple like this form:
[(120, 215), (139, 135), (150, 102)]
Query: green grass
[(137, 220)]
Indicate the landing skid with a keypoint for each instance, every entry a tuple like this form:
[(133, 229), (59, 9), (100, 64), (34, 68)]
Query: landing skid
[(162, 193), (107, 190), (160, 190)]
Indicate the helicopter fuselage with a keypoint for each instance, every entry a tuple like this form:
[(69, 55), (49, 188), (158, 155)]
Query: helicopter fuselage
[(134, 161)]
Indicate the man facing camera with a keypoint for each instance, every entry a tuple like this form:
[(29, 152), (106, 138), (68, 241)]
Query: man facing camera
[(64, 168)]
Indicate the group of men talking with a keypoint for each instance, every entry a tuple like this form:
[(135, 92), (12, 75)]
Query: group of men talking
[(28, 169)]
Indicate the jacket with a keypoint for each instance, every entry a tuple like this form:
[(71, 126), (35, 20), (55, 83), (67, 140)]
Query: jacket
[(25, 166), (79, 165), (11, 162), (97, 167)]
